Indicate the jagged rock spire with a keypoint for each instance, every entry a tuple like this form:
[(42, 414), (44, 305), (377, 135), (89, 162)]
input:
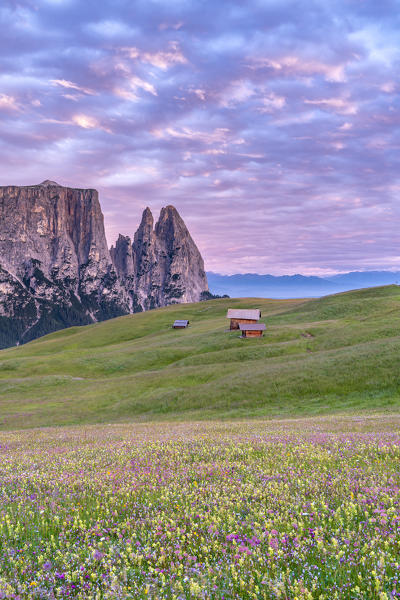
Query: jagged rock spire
[(122, 256), (144, 232), (167, 265), (184, 278)]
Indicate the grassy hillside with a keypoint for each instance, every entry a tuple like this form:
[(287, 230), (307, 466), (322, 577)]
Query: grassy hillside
[(337, 353)]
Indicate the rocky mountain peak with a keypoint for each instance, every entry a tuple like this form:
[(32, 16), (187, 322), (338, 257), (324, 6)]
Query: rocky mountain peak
[(170, 224), (53, 257), (182, 264), (169, 212), (49, 183), (147, 216), (56, 269), (163, 266), (145, 228)]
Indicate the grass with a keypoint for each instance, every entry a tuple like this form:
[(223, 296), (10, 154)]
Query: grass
[(336, 354), (299, 509)]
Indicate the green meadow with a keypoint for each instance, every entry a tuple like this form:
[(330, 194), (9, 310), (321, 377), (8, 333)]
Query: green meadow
[(338, 354)]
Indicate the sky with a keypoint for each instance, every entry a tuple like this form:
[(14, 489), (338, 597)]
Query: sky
[(272, 126)]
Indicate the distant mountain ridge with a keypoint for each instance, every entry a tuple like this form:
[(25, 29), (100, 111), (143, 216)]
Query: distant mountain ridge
[(296, 286)]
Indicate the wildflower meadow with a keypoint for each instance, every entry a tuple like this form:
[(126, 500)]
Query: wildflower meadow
[(288, 509)]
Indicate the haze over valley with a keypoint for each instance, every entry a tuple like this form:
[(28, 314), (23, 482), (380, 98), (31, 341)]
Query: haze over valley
[(296, 286)]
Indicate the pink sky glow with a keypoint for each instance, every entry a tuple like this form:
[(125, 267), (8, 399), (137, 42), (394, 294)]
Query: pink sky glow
[(273, 127)]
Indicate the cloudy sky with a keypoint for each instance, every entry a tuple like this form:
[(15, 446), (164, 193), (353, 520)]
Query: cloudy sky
[(272, 125)]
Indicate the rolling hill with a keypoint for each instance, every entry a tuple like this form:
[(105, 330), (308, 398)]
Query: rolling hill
[(334, 354)]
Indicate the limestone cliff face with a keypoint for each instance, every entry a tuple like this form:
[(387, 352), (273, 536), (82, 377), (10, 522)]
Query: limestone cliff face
[(163, 265), (54, 257), (56, 269)]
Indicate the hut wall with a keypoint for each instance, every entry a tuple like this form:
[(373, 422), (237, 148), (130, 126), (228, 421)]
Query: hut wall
[(235, 322), (253, 333)]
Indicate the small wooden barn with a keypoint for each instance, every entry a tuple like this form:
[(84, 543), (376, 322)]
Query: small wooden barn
[(239, 315), (252, 329), (180, 324)]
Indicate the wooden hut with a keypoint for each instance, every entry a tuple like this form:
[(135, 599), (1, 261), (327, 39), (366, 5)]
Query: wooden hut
[(252, 329), (239, 315), (180, 324)]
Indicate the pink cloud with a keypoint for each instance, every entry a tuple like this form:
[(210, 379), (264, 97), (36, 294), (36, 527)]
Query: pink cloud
[(8, 103), (162, 59), (342, 106), (73, 86)]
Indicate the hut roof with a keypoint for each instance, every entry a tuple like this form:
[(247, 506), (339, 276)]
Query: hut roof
[(252, 326), (247, 313), (181, 323)]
